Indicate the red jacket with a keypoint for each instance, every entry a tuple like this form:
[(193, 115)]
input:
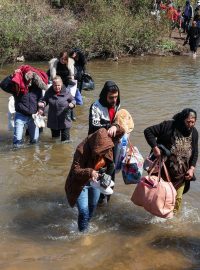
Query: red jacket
[(24, 77)]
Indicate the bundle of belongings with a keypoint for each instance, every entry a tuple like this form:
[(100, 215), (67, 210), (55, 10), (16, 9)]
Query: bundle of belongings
[(22, 78)]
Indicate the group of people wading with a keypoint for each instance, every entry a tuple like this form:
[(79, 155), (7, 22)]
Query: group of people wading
[(94, 157)]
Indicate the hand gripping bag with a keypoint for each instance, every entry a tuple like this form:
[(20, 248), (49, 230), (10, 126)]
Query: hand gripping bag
[(154, 194)]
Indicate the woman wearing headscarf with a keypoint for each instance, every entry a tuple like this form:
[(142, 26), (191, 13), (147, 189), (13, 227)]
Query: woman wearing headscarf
[(180, 136), (91, 154)]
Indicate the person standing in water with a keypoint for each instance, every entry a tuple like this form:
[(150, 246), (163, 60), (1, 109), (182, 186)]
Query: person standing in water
[(92, 154), (180, 136), (102, 115)]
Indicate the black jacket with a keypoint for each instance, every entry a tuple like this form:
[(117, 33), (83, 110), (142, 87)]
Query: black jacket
[(27, 104), (162, 134)]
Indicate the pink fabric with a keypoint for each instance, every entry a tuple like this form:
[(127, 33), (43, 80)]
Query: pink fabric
[(18, 77), (156, 196)]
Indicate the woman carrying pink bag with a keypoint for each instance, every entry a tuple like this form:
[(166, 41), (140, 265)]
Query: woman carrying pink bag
[(180, 136)]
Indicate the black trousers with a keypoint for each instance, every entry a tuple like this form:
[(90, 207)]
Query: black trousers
[(65, 133)]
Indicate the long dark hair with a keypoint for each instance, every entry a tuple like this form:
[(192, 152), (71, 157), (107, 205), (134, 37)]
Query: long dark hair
[(179, 120)]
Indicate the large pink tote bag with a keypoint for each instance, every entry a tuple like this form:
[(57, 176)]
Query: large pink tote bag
[(154, 194)]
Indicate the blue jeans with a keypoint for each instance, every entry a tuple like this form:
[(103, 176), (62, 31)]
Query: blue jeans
[(86, 203), (21, 121)]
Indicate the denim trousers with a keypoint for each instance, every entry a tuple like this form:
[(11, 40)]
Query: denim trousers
[(23, 121), (87, 203)]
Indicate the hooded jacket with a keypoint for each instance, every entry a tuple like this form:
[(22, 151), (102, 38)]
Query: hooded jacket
[(96, 145), (98, 114)]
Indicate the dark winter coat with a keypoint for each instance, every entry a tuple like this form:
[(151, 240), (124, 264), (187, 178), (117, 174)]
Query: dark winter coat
[(27, 104), (58, 108), (162, 134)]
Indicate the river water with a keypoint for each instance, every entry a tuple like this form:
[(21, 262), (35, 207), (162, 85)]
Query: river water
[(38, 228)]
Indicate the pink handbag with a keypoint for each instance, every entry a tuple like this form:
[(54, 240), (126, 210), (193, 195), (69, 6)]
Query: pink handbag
[(154, 194)]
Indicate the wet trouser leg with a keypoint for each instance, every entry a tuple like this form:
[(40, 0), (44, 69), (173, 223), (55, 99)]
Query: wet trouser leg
[(86, 204), (72, 115), (179, 196), (55, 133), (65, 134), (21, 121)]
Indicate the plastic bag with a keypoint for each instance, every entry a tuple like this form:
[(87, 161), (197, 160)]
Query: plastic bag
[(132, 166)]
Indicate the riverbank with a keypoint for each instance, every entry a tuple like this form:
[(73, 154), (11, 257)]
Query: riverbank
[(172, 45)]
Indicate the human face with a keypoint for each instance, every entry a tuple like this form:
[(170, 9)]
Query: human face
[(190, 122), (64, 59), (112, 98), (57, 86)]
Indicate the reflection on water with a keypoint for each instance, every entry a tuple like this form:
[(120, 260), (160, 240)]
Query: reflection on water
[(38, 229)]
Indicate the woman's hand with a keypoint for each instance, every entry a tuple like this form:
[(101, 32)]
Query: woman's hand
[(40, 112), (95, 176), (156, 151), (41, 104), (112, 131), (71, 105), (190, 173)]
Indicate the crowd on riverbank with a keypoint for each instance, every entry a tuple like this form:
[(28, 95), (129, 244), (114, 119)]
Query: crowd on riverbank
[(186, 19)]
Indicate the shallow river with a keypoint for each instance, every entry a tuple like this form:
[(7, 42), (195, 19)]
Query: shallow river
[(37, 227)]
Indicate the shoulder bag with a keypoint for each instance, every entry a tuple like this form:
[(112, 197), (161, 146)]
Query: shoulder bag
[(154, 194)]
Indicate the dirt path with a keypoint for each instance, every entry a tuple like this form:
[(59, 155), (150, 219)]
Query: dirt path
[(175, 37)]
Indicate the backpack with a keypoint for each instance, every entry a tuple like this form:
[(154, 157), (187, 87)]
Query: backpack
[(87, 82)]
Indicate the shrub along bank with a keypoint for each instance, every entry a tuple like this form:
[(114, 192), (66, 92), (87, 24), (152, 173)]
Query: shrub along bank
[(102, 28)]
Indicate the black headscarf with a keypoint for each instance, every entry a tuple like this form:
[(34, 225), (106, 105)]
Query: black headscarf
[(109, 86), (179, 119)]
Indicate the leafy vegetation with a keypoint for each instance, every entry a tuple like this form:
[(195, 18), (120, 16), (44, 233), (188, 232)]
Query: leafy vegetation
[(103, 28)]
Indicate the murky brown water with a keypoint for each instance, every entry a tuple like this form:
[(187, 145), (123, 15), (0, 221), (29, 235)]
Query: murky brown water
[(37, 227)]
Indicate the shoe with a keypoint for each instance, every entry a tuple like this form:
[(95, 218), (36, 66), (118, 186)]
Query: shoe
[(105, 191), (73, 118), (66, 141), (194, 55)]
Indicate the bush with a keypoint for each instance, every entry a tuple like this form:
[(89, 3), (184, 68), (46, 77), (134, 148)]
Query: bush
[(34, 29), (113, 30), (102, 28)]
